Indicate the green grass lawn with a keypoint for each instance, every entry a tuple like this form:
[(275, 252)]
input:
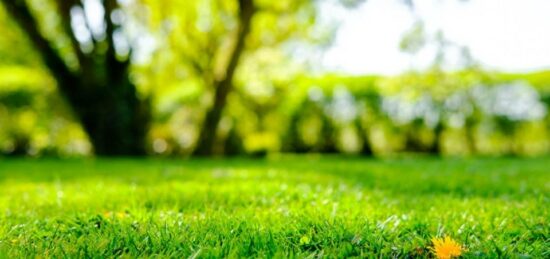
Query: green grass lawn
[(280, 207)]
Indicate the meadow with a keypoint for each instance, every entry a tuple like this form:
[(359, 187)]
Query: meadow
[(289, 206)]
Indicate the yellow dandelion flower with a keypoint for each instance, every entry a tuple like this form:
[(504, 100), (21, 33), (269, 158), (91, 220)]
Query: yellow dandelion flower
[(446, 248)]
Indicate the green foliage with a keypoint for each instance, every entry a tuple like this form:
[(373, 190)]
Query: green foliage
[(274, 104), (540, 80), (34, 119), (281, 207), (197, 38), (414, 40), (14, 48)]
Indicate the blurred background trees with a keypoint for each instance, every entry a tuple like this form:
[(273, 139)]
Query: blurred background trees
[(208, 77), (212, 43), (83, 47)]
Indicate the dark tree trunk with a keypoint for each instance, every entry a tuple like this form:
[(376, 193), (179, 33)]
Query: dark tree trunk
[(207, 138), (470, 129), (364, 136), (435, 149), (206, 143), (99, 92), (115, 120)]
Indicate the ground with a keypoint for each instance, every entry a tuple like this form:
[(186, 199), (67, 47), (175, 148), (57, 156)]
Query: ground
[(299, 206)]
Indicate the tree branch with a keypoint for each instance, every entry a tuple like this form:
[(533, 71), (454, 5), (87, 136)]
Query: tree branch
[(207, 136), (65, 7), (21, 13), (116, 68), (246, 12)]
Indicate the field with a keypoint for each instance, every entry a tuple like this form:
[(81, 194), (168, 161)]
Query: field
[(297, 206)]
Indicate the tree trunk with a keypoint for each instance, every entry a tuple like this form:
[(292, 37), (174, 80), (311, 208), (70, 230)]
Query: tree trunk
[(207, 137), (363, 130), (115, 120), (100, 92), (435, 148)]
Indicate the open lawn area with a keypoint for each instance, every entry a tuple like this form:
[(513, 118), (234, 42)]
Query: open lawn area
[(297, 206)]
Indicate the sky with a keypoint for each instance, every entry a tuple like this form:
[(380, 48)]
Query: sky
[(507, 35)]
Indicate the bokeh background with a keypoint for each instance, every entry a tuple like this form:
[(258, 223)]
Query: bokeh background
[(257, 77)]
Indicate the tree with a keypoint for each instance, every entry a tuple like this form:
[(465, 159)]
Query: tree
[(223, 85), (212, 40), (91, 71)]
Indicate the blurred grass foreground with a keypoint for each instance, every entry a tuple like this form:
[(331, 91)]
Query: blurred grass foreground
[(280, 207)]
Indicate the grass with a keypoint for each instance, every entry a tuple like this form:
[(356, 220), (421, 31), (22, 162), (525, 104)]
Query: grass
[(282, 207)]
